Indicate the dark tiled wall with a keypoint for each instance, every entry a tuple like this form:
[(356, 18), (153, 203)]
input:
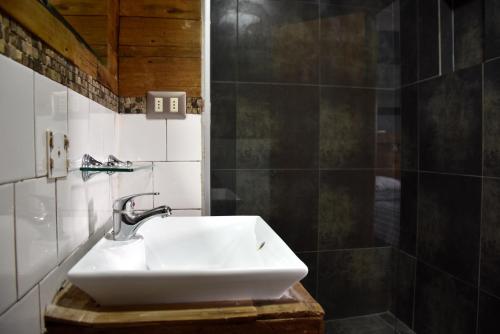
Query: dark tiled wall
[(447, 276), (305, 118)]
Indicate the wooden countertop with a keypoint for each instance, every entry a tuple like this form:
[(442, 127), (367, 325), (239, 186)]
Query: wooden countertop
[(296, 312)]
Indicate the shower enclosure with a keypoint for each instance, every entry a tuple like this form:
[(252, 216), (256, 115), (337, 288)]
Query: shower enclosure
[(355, 129)]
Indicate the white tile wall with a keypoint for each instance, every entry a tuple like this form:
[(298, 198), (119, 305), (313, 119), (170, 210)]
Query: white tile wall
[(44, 247), (184, 139), (36, 235), (16, 121), (51, 113), (142, 139), (78, 127), (24, 316), (179, 184), (72, 214), (7, 248)]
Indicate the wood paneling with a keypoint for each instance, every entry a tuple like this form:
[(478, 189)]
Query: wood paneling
[(80, 7), (140, 74), (91, 28), (159, 46), (176, 9)]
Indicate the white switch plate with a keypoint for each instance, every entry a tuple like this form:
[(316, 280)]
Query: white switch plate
[(158, 104), (57, 154), (174, 104)]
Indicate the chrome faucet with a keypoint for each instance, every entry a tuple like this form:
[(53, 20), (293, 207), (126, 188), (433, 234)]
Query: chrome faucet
[(126, 220)]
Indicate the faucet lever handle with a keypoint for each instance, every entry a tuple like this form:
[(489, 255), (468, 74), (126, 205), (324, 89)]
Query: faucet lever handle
[(121, 203)]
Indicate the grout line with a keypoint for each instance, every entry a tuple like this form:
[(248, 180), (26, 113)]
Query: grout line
[(15, 239), (277, 83)]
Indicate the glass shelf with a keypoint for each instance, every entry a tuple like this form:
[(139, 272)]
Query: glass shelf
[(91, 166)]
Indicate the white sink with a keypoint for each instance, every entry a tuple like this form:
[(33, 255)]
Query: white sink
[(190, 259)]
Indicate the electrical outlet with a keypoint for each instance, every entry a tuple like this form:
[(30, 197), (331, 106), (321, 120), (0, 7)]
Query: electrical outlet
[(159, 104), (174, 104)]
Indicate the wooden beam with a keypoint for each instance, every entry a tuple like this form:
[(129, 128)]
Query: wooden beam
[(80, 7), (184, 9), (112, 33)]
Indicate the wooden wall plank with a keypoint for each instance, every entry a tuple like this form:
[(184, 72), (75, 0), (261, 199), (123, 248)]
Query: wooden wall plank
[(141, 74), (159, 32), (177, 9), (80, 7), (179, 51), (112, 32), (91, 28)]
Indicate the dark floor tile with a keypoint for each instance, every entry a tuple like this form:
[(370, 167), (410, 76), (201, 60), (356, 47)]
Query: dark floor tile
[(278, 41), (443, 304), (347, 128), (371, 324), (448, 223), (224, 39), (428, 38), (409, 127), (354, 282), (490, 237), (409, 41), (388, 129), (409, 212), (287, 200), (491, 29), (404, 287), (348, 46), (223, 126), (492, 118), (346, 203), (446, 20), (489, 309), (451, 123), (311, 261), (223, 193), (468, 30), (277, 126)]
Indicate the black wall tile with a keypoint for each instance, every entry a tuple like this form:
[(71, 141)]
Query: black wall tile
[(287, 200), (492, 29), (223, 193), (409, 212), (443, 304), (409, 127), (353, 30), (388, 125), (492, 118), (489, 309), (448, 223), (277, 126), (223, 127), (409, 41), (346, 203), (224, 40), (468, 18), (404, 287), (278, 41), (347, 128), (446, 20), (354, 282), (451, 123), (428, 38), (490, 237)]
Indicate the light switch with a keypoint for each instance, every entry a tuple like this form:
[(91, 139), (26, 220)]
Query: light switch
[(158, 104), (57, 154), (166, 105)]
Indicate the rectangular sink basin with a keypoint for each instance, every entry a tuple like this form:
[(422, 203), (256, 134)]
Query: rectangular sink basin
[(190, 259)]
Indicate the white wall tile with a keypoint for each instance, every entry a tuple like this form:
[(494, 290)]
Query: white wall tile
[(101, 131), (7, 248), (78, 127), (51, 113), (98, 201), (36, 236), (16, 121), (184, 139), (137, 182), (179, 184), (24, 316), (72, 214), (186, 213), (141, 139)]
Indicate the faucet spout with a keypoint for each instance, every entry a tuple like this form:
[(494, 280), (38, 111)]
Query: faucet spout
[(127, 221)]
